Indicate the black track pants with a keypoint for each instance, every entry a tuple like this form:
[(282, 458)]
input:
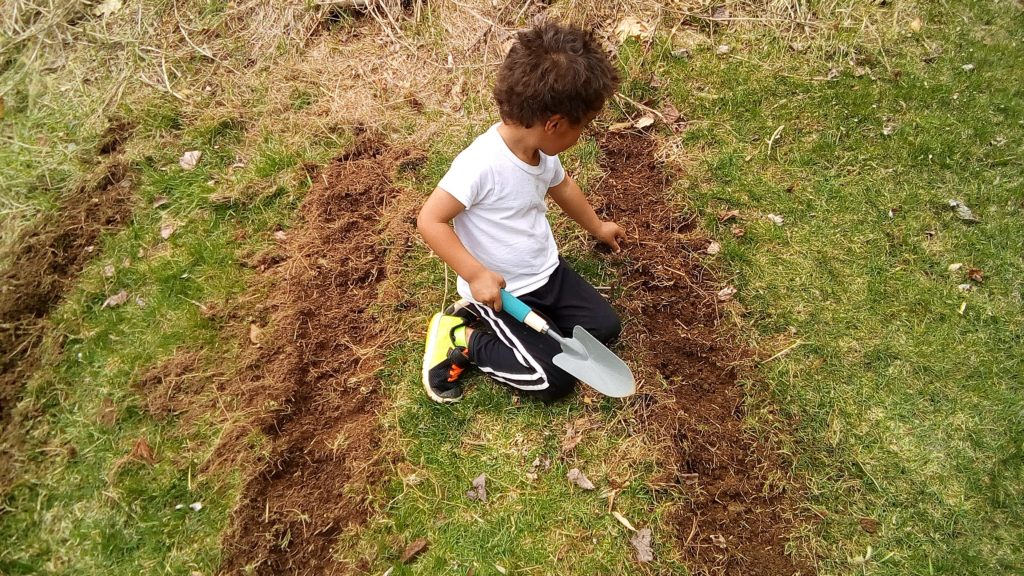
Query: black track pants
[(515, 354)]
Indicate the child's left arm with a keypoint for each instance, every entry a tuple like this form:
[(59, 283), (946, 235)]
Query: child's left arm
[(572, 201)]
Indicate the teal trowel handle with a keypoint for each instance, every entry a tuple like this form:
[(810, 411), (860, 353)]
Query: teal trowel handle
[(522, 312)]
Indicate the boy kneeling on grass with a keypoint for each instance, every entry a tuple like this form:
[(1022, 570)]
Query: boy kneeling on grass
[(553, 83)]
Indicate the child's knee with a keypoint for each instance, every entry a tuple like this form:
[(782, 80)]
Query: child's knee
[(560, 385), (608, 327)]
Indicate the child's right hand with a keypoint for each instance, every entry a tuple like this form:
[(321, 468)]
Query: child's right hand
[(486, 288)]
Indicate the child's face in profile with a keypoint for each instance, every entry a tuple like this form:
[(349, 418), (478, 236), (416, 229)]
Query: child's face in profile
[(561, 134)]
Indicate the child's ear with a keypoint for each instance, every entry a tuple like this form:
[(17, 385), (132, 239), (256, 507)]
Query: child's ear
[(553, 123)]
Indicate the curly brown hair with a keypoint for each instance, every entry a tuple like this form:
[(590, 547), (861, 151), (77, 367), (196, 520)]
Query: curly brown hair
[(553, 69)]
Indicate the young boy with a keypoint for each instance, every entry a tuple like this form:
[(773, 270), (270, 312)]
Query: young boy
[(554, 81)]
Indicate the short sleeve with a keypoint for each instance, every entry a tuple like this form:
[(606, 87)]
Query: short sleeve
[(465, 180), (557, 172)]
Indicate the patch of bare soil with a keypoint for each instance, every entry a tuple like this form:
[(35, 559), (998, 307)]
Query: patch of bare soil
[(309, 382), (179, 386), (49, 257), (740, 509)]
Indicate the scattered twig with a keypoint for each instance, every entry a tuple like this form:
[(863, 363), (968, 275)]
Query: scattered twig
[(775, 136), (784, 351), (620, 95)]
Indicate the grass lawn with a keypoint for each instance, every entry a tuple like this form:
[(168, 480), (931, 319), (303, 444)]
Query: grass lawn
[(900, 378)]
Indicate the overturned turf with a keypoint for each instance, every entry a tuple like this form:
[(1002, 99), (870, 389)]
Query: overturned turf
[(309, 387), (740, 505), (49, 258)]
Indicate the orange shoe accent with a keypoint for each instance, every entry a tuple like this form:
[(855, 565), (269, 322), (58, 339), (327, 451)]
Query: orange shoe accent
[(454, 372)]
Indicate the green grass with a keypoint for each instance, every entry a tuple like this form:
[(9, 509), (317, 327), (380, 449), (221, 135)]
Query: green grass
[(902, 409), (905, 410), (528, 527), (69, 513)]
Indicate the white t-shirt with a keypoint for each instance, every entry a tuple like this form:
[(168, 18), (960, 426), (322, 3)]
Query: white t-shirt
[(504, 224)]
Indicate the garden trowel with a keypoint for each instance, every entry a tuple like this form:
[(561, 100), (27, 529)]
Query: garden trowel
[(583, 356)]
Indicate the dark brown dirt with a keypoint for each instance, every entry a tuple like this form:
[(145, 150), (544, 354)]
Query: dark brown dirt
[(740, 512), (50, 255), (310, 385)]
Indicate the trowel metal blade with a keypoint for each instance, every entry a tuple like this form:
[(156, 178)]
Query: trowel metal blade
[(596, 365)]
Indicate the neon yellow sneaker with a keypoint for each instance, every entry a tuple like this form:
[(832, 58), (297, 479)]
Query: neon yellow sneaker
[(445, 358)]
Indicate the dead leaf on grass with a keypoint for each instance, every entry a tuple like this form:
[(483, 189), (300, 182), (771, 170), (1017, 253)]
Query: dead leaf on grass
[(738, 231), (833, 73), (725, 294), (965, 287), (622, 520), (142, 452), (456, 95), (108, 271), (670, 114), (632, 27), (776, 219), (107, 413), (713, 248), (869, 525), (955, 266), (967, 67), (723, 49), (620, 126), (413, 550), (160, 201), (644, 121), (166, 230), (479, 490), (540, 464), (889, 128), (571, 439), (728, 215), (963, 212), (580, 479), (280, 236), (642, 544), (106, 8), (115, 300), (574, 433), (976, 274), (718, 540), (916, 24), (189, 159)]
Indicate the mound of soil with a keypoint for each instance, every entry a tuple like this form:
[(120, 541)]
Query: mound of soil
[(310, 383), (50, 255), (739, 515)]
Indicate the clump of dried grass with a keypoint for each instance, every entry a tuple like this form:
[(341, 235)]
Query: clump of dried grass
[(37, 22)]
